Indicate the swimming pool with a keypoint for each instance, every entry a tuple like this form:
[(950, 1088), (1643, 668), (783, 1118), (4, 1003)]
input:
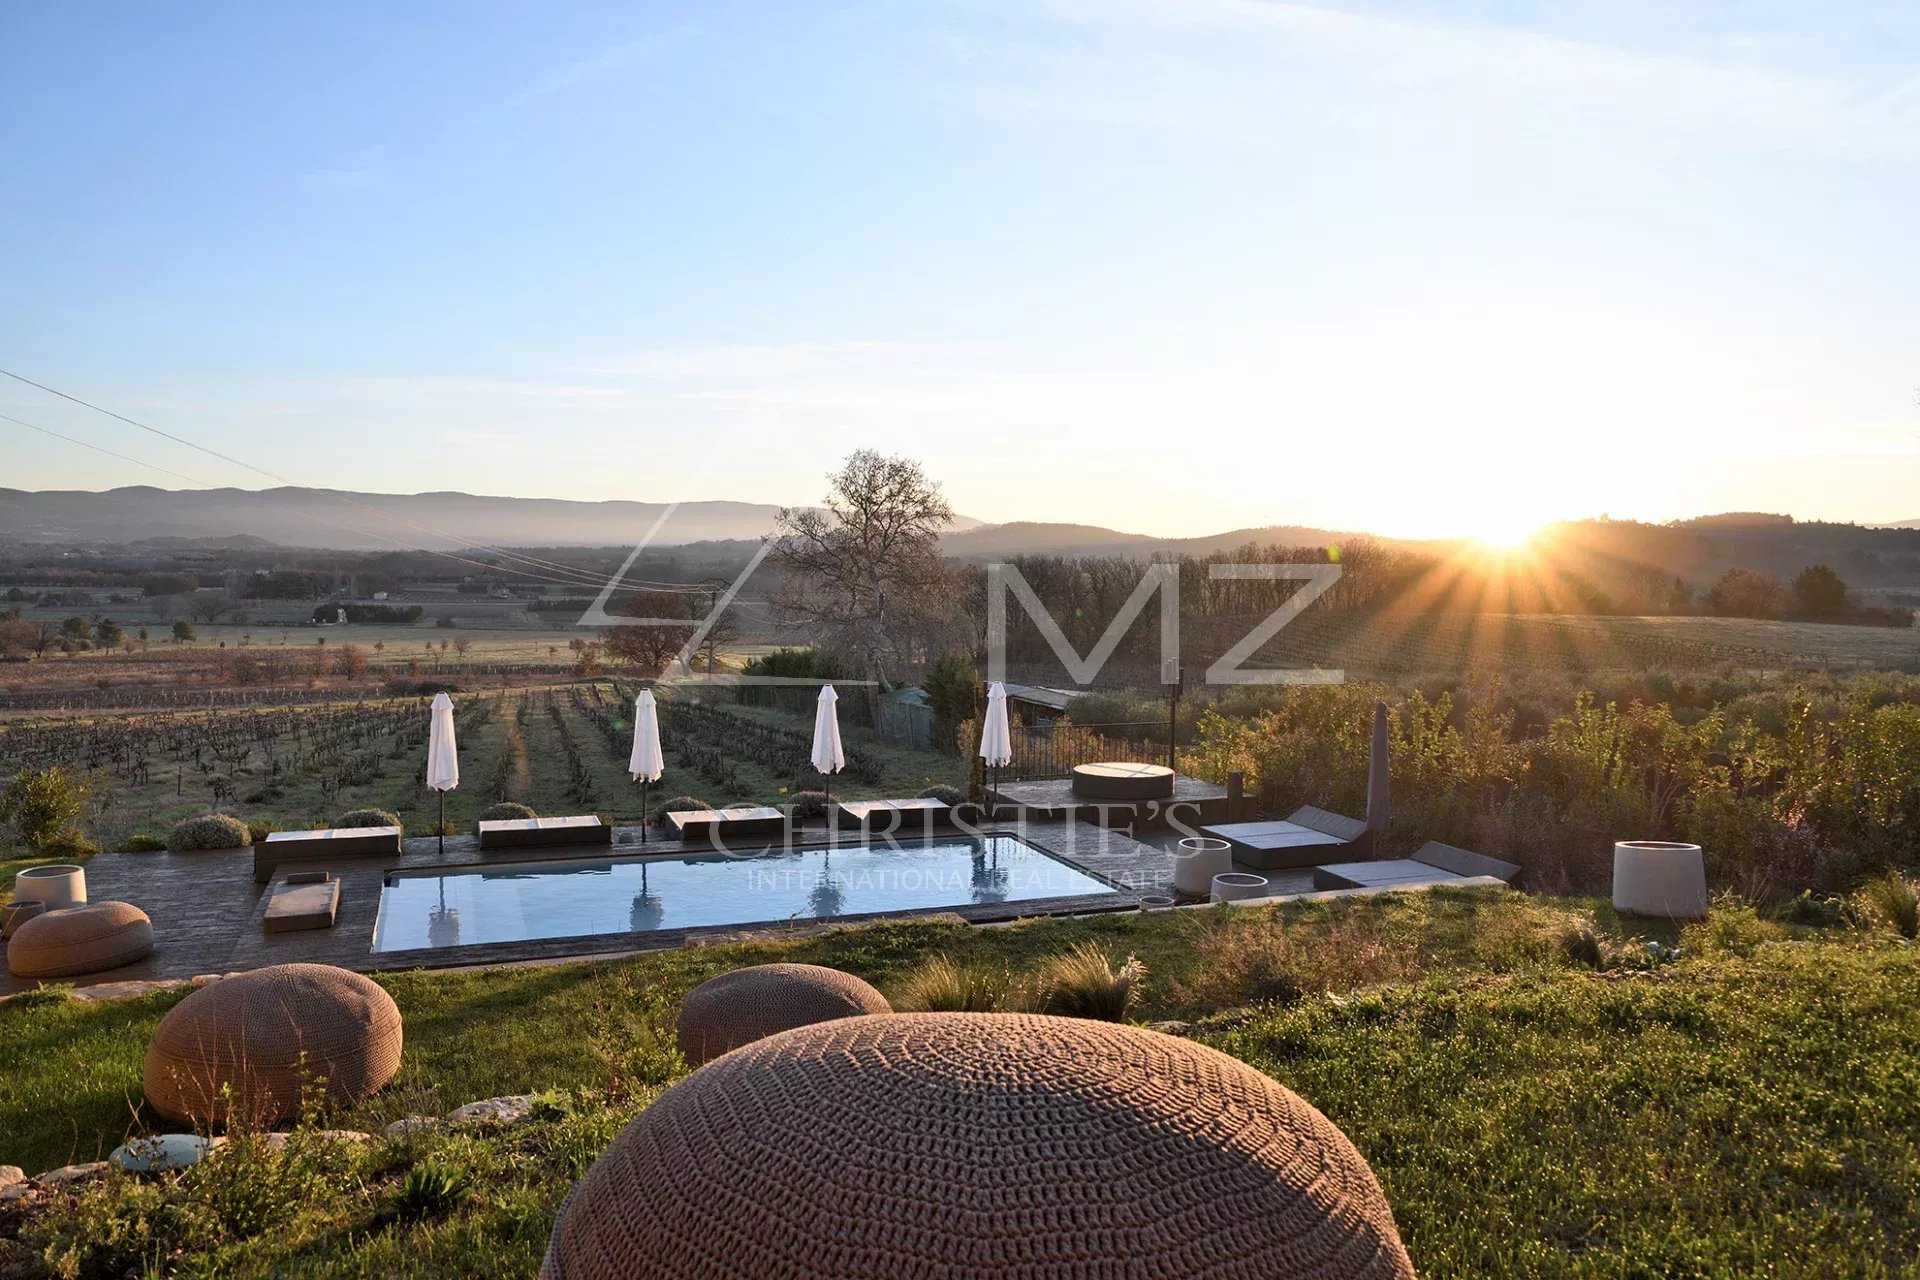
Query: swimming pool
[(569, 899)]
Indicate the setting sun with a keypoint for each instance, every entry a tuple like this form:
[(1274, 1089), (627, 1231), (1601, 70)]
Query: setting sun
[(1507, 530)]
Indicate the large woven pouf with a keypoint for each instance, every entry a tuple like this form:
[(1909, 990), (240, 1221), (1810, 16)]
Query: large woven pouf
[(76, 940), (239, 1051), (970, 1146), (740, 1007)]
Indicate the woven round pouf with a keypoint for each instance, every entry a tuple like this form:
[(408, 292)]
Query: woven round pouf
[(76, 940), (737, 1008), (239, 1051), (972, 1146)]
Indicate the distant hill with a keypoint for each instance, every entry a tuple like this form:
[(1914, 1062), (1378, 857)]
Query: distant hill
[(1025, 537), (333, 518)]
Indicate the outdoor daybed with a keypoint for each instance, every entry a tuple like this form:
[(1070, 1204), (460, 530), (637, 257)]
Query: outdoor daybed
[(724, 826), (529, 833), (333, 842), (892, 817)]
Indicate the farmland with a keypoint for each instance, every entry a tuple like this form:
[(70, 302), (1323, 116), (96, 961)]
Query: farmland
[(561, 748)]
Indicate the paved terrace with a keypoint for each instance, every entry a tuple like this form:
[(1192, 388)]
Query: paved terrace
[(206, 908)]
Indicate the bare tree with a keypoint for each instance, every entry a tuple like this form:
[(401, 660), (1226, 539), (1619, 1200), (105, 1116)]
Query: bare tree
[(210, 606), (722, 628), (353, 660), (651, 644), (865, 574)]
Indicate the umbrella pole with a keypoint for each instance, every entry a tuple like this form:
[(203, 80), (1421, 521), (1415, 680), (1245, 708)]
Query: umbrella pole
[(643, 813), (443, 824)]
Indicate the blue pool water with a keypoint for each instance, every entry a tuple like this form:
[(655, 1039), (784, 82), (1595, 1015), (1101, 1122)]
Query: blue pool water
[(568, 899)]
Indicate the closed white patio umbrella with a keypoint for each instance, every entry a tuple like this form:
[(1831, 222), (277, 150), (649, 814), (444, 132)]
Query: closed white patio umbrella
[(828, 756), (443, 757), (996, 735), (646, 763)]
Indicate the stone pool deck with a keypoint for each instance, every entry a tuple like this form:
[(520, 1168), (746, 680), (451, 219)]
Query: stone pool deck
[(207, 911)]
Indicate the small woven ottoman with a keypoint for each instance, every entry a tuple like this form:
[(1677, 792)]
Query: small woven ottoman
[(76, 940), (969, 1146), (737, 1008), (238, 1051)]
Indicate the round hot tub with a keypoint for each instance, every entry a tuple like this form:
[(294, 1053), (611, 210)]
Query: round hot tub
[(1116, 780)]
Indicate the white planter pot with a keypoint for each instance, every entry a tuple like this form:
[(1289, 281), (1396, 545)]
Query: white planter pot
[(1231, 886), (57, 886), (1199, 860), (1156, 902), (1659, 878)]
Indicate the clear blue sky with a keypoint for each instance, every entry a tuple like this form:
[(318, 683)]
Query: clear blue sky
[(1165, 266)]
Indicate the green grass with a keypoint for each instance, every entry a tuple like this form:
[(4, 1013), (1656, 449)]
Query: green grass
[(1754, 1106)]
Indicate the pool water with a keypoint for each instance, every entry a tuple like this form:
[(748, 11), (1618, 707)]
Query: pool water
[(568, 899)]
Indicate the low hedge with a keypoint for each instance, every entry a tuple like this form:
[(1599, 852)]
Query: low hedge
[(369, 818), (209, 831)]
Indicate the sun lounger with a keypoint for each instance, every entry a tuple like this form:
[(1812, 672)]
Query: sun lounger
[(530, 833), (1339, 826), (1463, 863), (1433, 863), (892, 817), (728, 826), (304, 900), (1276, 845), (334, 842)]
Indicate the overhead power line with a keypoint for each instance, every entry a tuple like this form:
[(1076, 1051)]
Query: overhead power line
[(569, 575)]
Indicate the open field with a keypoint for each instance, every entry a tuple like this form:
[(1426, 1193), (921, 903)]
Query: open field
[(1751, 1106), (231, 665)]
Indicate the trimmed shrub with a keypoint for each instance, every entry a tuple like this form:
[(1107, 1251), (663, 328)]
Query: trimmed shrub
[(506, 810), (944, 794), (805, 805), (69, 846), (368, 818), (679, 804), (1084, 983), (209, 831), (142, 842)]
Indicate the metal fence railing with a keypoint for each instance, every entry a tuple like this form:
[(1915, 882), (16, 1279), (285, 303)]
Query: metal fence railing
[(1042, 751)]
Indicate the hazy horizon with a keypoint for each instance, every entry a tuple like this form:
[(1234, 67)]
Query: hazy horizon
[(1174, 267), (963, 519)]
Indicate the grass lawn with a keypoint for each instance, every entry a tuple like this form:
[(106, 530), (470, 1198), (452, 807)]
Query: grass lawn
[(1753, 1107)]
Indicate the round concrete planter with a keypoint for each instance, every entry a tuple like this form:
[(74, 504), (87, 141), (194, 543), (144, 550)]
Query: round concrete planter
[(1659, 878), (1156, 902), (1199, 860), (57, 886), (1231, 886)]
